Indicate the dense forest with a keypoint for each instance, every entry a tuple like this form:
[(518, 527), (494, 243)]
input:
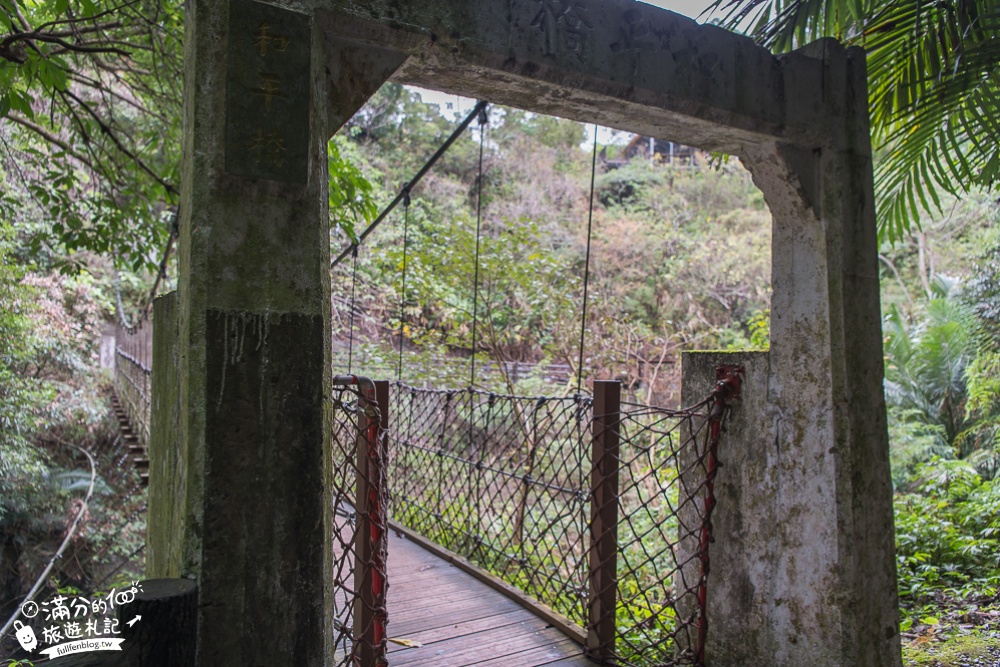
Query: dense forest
[(496, 249), (679, 255)]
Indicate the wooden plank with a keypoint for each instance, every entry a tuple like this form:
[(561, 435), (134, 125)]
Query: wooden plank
[(469, 610), (426, 604), (556, 619), (563, 650), (469, 649), (572, 661), (431, 592), (460, 620), (438, 616), (446, 607), (434, 590), (433, 635), (444, 573)]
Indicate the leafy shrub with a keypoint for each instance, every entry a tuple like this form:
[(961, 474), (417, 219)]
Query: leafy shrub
[(948, 535), (629, 183)]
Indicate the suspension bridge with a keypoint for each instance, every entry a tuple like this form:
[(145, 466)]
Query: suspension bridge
[(805, 569), (528, 530), (476, 528)]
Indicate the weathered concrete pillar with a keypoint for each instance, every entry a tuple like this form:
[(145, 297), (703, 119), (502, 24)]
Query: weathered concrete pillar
[(264, 89), (168, 460), (803, 567), (253, 294), (743, 521)]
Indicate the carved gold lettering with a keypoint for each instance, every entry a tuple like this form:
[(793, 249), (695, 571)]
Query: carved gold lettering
[(264, 39), (268, 146), (269, 88)]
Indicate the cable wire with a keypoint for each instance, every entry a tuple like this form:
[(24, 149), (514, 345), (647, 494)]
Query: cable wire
[(586, 265), (413, 181), (402, 289), (62, 547), (350, 326)]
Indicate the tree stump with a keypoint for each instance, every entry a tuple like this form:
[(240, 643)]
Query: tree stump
[(164, 635)]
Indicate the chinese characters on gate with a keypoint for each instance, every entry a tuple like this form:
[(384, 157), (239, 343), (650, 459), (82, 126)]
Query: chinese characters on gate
[(267, 107)]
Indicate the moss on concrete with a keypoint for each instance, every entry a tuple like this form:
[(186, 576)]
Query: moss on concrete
[(957, 651)]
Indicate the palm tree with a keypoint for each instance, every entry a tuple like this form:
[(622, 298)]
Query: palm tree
[(926, 361), (933, 84), (941, 379)]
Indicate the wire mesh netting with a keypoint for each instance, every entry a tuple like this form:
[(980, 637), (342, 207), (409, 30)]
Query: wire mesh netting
[(133, 353), (360, 502), (512, 483), (663, 466), (501, 480)]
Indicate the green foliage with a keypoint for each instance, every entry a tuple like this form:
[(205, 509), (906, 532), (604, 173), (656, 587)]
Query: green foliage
[(913, 441), (629, 184), (958, 650), (926, 363), (948, 535), (91, 96), (760, 330), (351, 194), (933, 86), (90, 91), (982, 437), (23, 467), (51, 394), (983, 291)]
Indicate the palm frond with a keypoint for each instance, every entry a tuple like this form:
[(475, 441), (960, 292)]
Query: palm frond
[(934, 88)]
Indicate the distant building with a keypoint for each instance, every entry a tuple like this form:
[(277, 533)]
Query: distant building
[(653, 149)]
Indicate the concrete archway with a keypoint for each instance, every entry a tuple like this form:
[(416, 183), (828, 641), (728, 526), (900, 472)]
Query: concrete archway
[(266, 86)]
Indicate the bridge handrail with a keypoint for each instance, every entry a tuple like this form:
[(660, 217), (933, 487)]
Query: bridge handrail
[(599, 509), (133, 375), (361, 519)]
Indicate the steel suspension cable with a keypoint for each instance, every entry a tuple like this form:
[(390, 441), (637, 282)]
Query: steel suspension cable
[(350, 325), (586, 264), (483, 121), (413, 181), (402, 288)]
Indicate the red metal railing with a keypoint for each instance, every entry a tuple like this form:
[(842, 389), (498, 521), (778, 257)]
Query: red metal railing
[(361, 520)]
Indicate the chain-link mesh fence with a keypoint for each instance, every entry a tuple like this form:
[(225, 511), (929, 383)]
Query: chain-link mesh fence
[(360, 508)]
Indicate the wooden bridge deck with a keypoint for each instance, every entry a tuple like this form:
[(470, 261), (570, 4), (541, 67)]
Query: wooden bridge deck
[(460, 621)]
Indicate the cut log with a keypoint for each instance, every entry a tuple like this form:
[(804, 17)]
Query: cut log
[(163, 636)]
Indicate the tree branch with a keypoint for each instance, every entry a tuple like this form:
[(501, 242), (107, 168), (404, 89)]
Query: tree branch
[(35, 36), (106, 129), (51, 138)]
